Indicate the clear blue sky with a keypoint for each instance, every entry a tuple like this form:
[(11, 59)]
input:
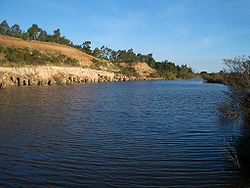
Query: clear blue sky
[(195, 32)]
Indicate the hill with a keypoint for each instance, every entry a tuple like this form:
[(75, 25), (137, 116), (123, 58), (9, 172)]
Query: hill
[(37, 47), (30, 62), (58, 52), (49, 48)]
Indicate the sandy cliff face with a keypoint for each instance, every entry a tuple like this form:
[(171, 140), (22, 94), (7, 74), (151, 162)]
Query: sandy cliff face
[(48, 75), (142, 69)]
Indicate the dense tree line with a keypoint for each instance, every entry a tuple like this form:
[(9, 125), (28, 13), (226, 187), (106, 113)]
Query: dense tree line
[(33, 33), (164, 69)]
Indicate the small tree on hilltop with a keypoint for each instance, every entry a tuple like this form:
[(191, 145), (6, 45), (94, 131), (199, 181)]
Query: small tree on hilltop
[(34, 32), (57, 35), (15, 31), (4, 28), (86, 47), (96, 52)]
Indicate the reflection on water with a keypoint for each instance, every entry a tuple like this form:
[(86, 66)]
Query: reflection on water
[(131, 134)]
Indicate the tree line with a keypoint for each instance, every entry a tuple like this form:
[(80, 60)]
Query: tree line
[(165, 69), (33, 33)]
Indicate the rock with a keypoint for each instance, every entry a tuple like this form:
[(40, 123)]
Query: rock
[(40, 82), (25, 82), (51, 82), (2, 86), (62, 81)]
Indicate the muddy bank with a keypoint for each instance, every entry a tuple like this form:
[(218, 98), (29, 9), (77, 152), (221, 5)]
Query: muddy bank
[(49, 75)]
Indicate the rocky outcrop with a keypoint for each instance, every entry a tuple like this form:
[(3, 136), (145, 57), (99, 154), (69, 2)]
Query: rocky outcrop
[(50, 75)]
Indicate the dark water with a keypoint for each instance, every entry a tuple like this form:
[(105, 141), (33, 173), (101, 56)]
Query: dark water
[(127, 134)]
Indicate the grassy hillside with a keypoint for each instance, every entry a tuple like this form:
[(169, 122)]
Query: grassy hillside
[(48, 49)]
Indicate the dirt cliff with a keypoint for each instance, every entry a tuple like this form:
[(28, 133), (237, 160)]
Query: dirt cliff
[(48, 75)]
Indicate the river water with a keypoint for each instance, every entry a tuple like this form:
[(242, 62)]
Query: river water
[(121, 134)]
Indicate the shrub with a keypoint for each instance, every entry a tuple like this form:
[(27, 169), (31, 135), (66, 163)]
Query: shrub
[(23, 56), (128, 71), (237, 103)]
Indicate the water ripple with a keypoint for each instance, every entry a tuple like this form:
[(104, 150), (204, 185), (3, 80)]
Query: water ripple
[(128, 134)]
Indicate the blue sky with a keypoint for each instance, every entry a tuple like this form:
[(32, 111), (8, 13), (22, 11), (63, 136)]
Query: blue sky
[(195, 32)]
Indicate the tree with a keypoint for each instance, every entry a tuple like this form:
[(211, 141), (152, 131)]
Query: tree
[(86, 47), (96, 52), (15, 31), (150, 60), (237, 77), (43, 36), (130, 56), (237, 104), (4, 28), (57, 35), (34, 32), (113, 56), (105, 52), (184, 71), (65, 41)]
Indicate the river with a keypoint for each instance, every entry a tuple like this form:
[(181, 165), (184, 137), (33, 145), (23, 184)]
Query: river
[(120, 134)]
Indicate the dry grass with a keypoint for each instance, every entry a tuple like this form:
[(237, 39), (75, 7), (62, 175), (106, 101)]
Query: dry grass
[(49, 48), (142, 69)]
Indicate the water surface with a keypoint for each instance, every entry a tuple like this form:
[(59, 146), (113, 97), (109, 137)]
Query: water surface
[(124, 134)]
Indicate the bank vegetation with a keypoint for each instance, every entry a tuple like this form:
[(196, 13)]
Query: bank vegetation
[(237, 104)]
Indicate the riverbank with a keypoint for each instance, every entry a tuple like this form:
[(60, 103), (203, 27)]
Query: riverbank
[(218, 78), (49, 75)]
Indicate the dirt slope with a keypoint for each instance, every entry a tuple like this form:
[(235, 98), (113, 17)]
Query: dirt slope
[(142, 69), (48, 48)]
